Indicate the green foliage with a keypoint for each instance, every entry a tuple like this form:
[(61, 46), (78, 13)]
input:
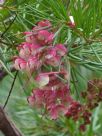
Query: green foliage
[(84, 58)]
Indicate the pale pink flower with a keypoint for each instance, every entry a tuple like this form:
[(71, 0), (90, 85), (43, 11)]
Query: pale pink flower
[(30, 37), (42, 79), (44, 37), (51, 52), (54, 101), (37, 98), (20, 64), (54, 54), (33, 63), (50, 38), (49, 80), (24, 50), (56, 110), (36, 49), (53, 61), (61, 49), (51, 57), (27, 49)]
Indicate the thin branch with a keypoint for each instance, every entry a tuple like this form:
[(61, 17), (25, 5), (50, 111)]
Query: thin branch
[(12, 85)]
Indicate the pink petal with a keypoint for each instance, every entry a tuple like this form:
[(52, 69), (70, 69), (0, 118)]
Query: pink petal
[(55, 61), (27, 33), (20, 64), (33, 63), (50, 38), (44, 23), (39, 97), (43, 33), (44, 37), (61, 49), (51, 53), (56, 110), (42, 79)]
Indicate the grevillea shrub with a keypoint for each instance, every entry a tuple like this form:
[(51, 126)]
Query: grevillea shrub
[(39, 55)]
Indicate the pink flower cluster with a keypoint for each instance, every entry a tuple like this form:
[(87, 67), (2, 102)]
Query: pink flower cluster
[(38, 49), (53, 94), (36, 52), (77, 111)]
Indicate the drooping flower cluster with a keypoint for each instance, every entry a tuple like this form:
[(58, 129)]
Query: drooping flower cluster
[(39, 49), (52, 91), (53, 95)]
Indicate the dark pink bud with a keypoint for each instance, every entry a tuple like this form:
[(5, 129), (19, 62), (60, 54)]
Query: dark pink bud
[(44, 23), (82, 127)]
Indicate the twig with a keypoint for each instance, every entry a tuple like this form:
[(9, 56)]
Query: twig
[(12, 85)]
